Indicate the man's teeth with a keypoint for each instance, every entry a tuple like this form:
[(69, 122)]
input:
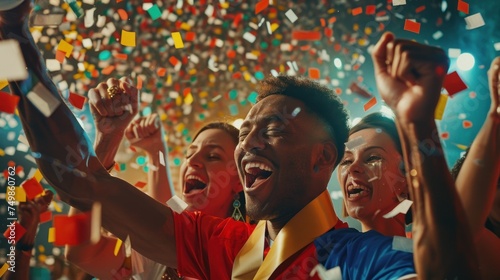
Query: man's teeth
[(194, 177), (355, 190), (258, 165)]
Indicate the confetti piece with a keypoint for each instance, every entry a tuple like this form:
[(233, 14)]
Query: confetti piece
[(65, 47), (398, 2), (51, 235), (139, 82), (314, 73), (13, 67), (420, 9), (108, 70), (324, 274), (72, 230), (123, 14), (474, 21), (354, 87), (437, 35), (306, 35), (154, 12), (466, 124), (439, 111), (412, 26), (357, 11), (45, 217), (173, 60), (43, 100), (162, 158), (4, 268), (176, 204), (56, 206), (355, 143), (261, 5), (209, 11), (400, 243), (47, 20), (401, 208), (8, 102), (463, 7), (20, 194), (118, 245), (233, 109), (77, 100), (453, 84), (249, 37), (370, 9), (368, 105), (53, 65), (128, 38), (32, 188), (140, 184), (18, 229), (128, 247), (161, 71), (73, 4), (292, 17), (3, 84), (177, 40), (95, 223), (445, 135)]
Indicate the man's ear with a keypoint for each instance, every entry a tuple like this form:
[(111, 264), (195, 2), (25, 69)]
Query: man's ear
[(327, 156)]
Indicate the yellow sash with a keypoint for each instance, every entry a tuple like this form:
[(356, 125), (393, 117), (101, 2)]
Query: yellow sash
[(311, 222)]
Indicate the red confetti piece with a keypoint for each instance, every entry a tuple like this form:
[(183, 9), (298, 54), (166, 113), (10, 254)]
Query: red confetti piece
[(77, 100), (354, 87), (412, 26), (445, 135), (140, 184), (72, 230), (259, 7), (8, 102), (322, 21), (463, 7), (370, 9), (161, 71), (45, 216), (123, 56), (18, 231), (190, 36), (108, 70), (453, 83), (328, 32), (60, 55), (314, 73), (173, 60), (420, 9), (368, 105), (231, 54), (139, 82), (357, 11), (306, 35), (466, 124), (32, 188), (123, 14)]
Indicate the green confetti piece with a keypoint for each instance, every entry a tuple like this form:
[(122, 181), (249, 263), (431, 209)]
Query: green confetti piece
[(154, 12), (140, 160), (177, 161), (264, 45), (233, 94), (233, 109), (259, 75), (276, 42), (146, 111), (185, 131), (123, 166), (104, 55), (252, 97), (145, 168), (201, 116)]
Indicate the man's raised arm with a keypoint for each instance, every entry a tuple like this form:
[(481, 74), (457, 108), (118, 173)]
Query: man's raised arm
[(65, 156)]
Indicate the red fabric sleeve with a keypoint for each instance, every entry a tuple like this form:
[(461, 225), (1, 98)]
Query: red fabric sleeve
[(206, 245)]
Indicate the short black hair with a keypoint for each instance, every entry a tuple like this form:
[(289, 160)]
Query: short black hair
[(379, 121), (229, 129), (318, 99)]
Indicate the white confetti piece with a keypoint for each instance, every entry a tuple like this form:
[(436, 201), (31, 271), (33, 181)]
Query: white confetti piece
[(474, 21), (402, 208), (497, 46), (128, 247), (404, 244), (53, 65), (162, 158), (398, 2), (454, 53), (354, 143), (89, 18), (249, 37), (323, 274), (209, 11), (268, 26), (95, 223), (47, 20), (147, 97), (23, 139), (13, 67), (43, 100), (437, 35), (176, 204), (22, 147), (291, 15)]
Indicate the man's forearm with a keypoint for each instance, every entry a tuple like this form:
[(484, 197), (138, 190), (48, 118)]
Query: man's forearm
[(442, 244), (106, 147), (159, 178)]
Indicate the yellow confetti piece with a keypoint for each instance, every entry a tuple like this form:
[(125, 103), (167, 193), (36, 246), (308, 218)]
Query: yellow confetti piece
[(168, 82), (177, 40), (2, 153), (274, 26), (65, 47), (56, 207), (224, 5), (20, 194), (128, 38), (203, 94), (247, 76), (41, 248), (42, 258), (188, 99), (438, 113), (4, 268), (178, 101), (185, 26), (38, 175), (52, 235), (461, 147), (117, 246), (3, 84)]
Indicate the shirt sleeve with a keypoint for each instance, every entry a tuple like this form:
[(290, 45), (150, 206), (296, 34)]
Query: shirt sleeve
[(207, 246)]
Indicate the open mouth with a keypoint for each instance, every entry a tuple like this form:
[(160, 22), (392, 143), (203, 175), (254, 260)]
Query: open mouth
[(255, 173), (194, 183), (355, 190)]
